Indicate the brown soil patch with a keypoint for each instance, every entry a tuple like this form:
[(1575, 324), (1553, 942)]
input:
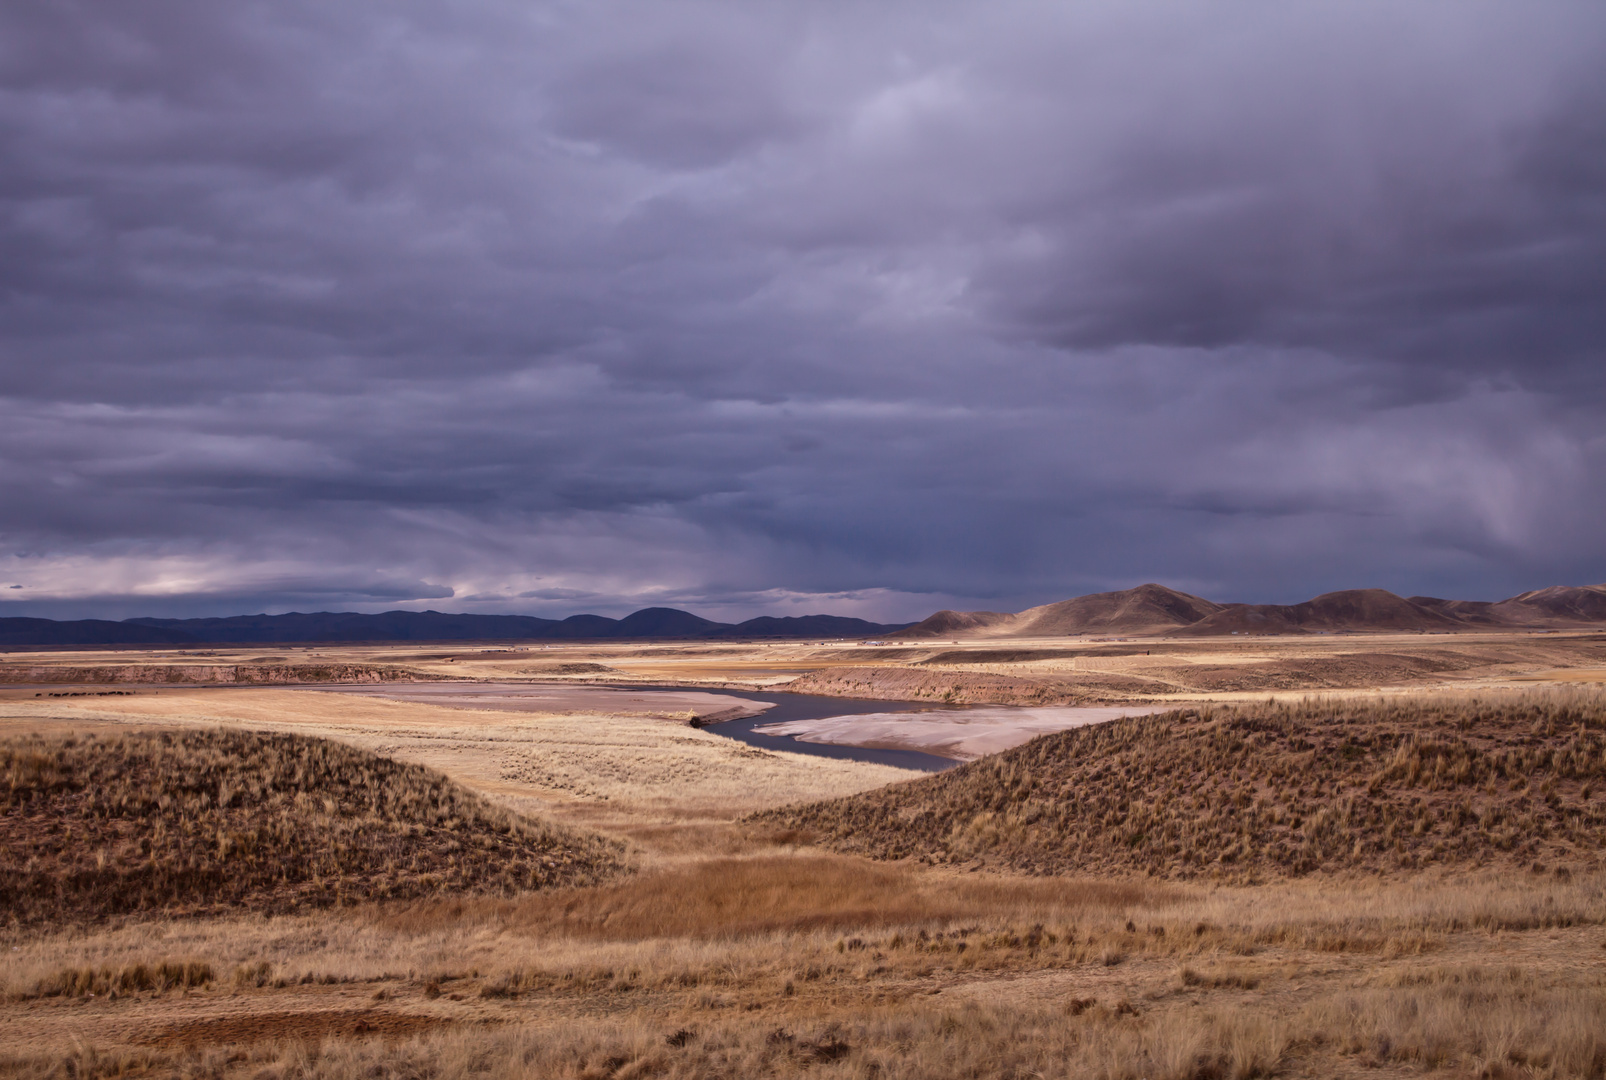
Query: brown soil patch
[(731, 898), (301, 1026)]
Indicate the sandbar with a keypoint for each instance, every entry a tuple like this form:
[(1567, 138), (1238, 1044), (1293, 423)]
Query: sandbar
[(961, 734)]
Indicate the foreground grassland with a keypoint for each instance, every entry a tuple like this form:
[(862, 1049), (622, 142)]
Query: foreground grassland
[(794, 964), (742, 946)]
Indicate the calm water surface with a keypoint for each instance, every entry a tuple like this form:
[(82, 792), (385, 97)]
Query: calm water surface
[(813, 707)]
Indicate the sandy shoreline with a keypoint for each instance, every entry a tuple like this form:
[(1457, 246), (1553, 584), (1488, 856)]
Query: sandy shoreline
[(961, 734)]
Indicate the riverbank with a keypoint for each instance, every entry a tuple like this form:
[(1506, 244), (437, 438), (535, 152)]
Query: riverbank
[(961, 734)]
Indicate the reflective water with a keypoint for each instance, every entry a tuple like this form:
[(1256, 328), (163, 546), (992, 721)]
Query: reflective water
[(812, 707)]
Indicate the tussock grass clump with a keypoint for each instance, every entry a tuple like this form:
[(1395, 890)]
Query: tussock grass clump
[(202, 821), (1258, 791), (108, 981)]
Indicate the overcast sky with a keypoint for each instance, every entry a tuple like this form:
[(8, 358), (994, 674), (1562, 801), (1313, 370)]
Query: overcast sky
[(781, 308)]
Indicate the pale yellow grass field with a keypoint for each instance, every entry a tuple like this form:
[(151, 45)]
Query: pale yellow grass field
[(638, 772)]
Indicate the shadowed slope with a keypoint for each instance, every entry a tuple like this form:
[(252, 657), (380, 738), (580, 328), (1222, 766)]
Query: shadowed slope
[(1351, 609), (1476, 613), (955, 624), (203, 821), (1259, 791), (26, 631), (1557, 605), (648, 623)]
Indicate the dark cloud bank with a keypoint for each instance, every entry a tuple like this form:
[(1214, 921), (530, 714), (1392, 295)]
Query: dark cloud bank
[(782, 308)]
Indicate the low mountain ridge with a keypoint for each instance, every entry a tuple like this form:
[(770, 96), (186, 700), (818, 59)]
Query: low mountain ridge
[(1350, 609), (1155, 609), (1146, 610), (350, 626), (662, 622), (25, 631)]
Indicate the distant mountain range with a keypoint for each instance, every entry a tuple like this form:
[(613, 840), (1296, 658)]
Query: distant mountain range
[(1155, 609), (1145, 610), (350, 626)]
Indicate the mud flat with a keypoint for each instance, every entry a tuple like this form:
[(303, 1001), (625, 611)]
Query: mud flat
[(961, 734)]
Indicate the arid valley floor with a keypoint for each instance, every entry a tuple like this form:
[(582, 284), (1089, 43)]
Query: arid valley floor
[(1328, 855)]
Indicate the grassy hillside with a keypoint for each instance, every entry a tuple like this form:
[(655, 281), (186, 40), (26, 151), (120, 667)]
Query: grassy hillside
[(207, 821), (1261, 791)]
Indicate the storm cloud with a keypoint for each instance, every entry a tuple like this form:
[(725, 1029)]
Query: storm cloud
[(765, 308)]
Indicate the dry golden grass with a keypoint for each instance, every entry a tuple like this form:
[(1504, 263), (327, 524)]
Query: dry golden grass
[(789, 961), (616, 766), (1518, 1036), (199, 821), (1252, 791), (741, 897), (966, 1042), (978, 977)]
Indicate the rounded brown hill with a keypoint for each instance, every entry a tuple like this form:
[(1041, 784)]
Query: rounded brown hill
[(1259, 792), (1146, 609), (208, 821), (947, 623)]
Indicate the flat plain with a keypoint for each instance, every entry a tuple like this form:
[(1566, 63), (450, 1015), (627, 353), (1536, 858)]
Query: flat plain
[(733, 937)]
